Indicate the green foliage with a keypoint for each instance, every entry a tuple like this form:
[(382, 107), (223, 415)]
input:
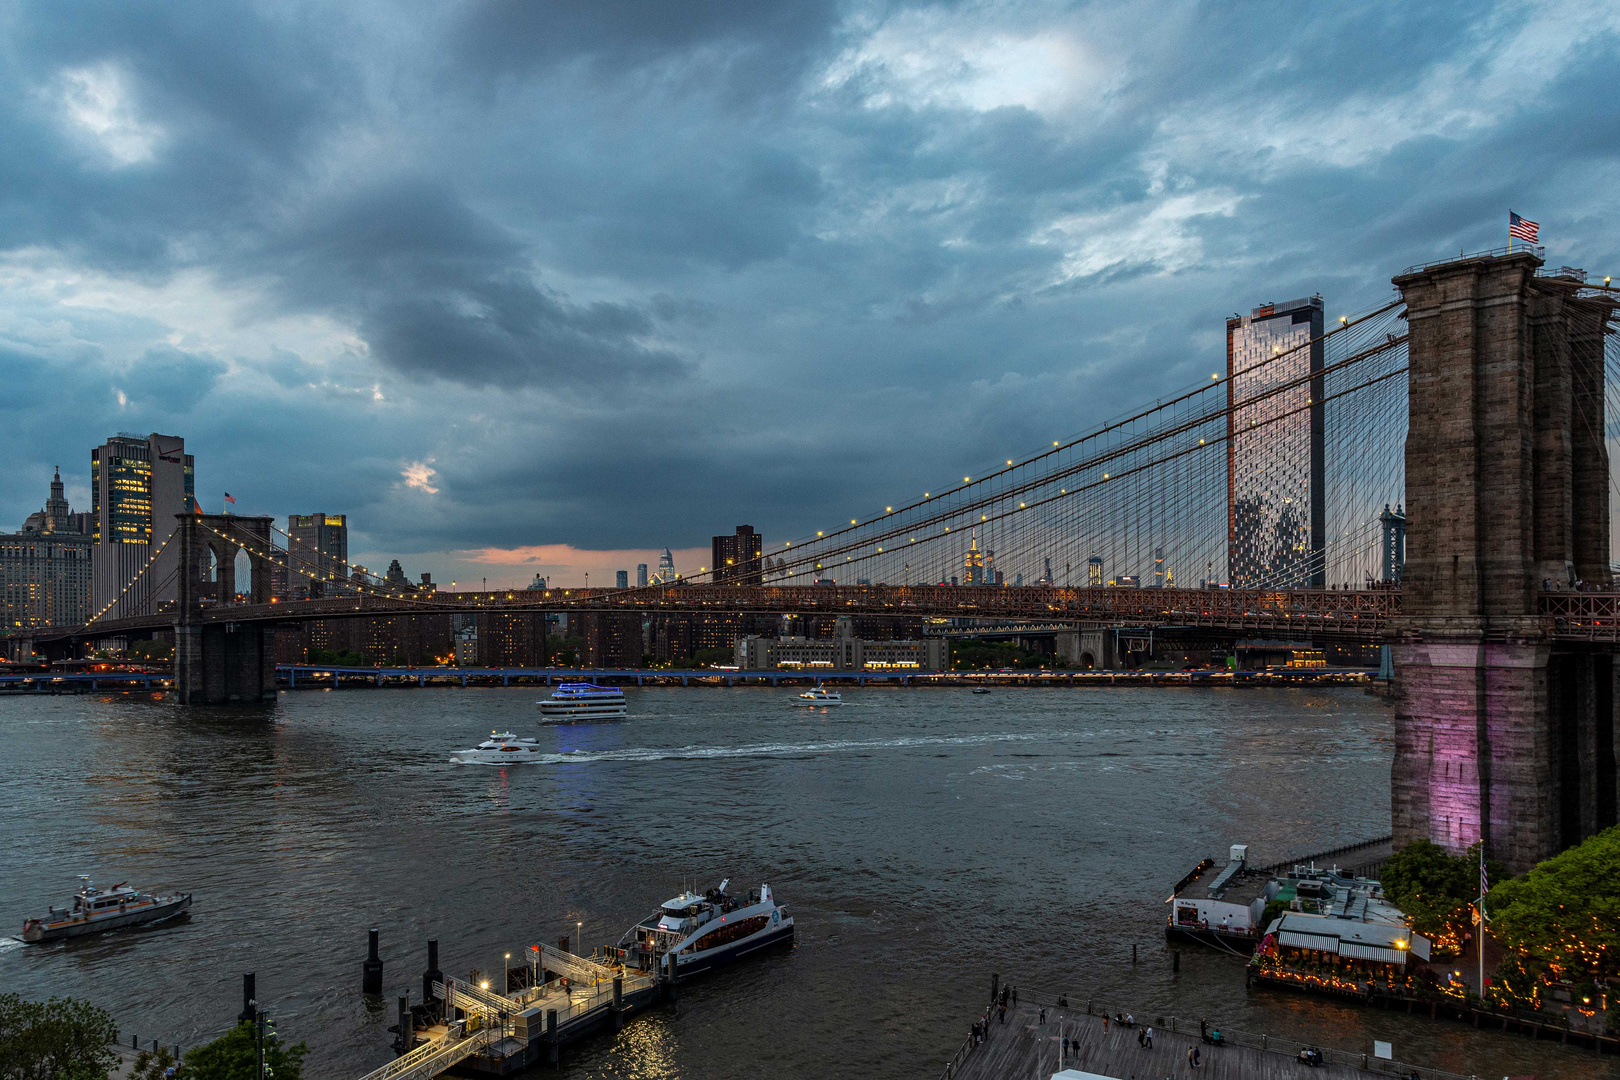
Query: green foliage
[(153, 1064), (1517, 982), (714, 657), (1565, 913), (234, 1056), (1274, 908), (1436, 890), (339, 657), (59, 1039), (150, 650)]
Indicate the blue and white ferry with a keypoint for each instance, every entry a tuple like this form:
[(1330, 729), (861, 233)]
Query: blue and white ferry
[(583, 701), (707, 931)]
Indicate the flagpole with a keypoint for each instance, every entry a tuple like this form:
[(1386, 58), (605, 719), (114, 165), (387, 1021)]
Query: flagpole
[(1482, 922)]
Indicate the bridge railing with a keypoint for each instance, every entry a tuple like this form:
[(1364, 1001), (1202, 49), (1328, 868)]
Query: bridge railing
[(1590, 616)]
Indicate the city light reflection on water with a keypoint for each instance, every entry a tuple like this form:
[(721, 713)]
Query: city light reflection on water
[(923, 839)]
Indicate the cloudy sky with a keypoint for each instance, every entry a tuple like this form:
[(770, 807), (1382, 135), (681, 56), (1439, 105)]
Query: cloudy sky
[(544, 287)]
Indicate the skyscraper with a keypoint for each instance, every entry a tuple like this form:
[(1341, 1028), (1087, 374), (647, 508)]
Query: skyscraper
[(973, 563), (1275, 510), (45, 569), (317, 553), (641, 574), (666, 569), (737, 558), (138, 487), (621, 579), (1094, 571)]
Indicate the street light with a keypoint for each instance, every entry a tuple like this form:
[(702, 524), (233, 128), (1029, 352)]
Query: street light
[(581, 928), (506, 973)]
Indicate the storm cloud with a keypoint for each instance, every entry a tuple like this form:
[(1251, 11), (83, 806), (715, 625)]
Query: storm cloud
[(621, 275)]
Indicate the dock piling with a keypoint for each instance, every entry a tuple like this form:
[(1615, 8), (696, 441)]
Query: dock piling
[(432, 974), (995, 985), (407, 1028), (372, 970), (565, 942), (551, 1036), (1175, 960), (1133, 952), (249, 993), (618, 1002)]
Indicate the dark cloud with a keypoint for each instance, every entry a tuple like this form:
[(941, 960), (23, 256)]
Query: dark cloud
[(622, 273)]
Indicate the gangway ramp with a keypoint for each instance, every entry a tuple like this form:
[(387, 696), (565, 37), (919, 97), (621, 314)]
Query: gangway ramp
[(435, 1056)]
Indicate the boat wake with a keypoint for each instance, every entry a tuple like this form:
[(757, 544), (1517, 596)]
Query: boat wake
[(766, 750)]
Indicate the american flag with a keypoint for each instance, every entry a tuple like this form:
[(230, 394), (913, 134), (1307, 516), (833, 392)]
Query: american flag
[(1523, 228), (230, 498)]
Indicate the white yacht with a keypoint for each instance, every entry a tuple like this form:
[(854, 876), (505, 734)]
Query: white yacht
[(706, 931), (583, 701), (818, 697), (501, 748), (96, 909)]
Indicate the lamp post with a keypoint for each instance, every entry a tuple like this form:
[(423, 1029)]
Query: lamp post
[(578, 949), (506, 974)]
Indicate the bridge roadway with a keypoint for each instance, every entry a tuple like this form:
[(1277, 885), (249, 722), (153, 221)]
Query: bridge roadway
[(1365, 615), (1358, 614)]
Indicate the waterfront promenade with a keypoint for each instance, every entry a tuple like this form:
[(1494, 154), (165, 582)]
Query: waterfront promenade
[(1024, 1047)]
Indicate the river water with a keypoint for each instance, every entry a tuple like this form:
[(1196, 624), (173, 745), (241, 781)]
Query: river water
[(924, 838)]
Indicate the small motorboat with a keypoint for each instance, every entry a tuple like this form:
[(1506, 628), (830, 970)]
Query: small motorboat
[(95, 910), (981, 689), (818, 697), (706, 931), (501, 748)]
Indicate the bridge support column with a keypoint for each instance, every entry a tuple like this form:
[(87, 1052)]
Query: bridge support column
[(1497, 729)]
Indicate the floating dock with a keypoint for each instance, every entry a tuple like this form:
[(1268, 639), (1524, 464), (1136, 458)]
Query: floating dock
[(480, 1030)]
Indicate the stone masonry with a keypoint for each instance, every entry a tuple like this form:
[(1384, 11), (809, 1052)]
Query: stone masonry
[(1498, 736)]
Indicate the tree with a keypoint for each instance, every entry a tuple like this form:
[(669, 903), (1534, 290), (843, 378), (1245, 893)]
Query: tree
[(60, 1039), (1565, 913), (1435, 890), (234, 1056)]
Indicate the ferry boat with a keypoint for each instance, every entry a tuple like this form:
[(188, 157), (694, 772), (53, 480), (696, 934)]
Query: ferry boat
[(818, 697), (501, 748), (583, 701), (707, 931), (95, 910)]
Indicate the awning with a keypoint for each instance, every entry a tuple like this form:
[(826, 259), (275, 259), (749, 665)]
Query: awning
[(1308, 941), (1352, 951)]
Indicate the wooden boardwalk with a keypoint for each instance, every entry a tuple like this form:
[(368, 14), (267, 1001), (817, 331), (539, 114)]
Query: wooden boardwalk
[(1025, 1049)]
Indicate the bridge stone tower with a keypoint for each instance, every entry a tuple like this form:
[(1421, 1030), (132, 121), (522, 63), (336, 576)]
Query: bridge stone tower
[(1500, 734), (219, 662)]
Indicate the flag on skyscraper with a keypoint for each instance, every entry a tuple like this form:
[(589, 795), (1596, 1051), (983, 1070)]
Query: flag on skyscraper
[(230, 498), (1523, 228)]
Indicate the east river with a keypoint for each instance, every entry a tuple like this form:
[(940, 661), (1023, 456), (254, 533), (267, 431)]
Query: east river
[(923, 838)]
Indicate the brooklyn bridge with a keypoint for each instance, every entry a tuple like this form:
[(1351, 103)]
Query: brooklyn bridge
[(1476, 397)]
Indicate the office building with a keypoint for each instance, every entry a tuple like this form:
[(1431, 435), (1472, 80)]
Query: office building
[(317, 554), (45, 570), (621, 579), (973, 563), (139, 486), (539, 584), (1094, 571), (844, 651), (666, 570), (641, 575), (737, 558), (1276, 516)]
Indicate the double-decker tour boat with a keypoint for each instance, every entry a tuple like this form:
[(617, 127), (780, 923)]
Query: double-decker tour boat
[(706, 931), (820, 696), (95, 910), (583, 701)]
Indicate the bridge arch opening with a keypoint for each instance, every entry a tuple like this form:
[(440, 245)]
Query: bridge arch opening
[(244, 575), (1088, 662)]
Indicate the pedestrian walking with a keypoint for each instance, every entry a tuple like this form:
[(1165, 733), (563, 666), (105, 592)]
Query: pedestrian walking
[(1105, 1023), (1141, 1038), (1043, 1011), (1015, 997), (1191, 1061), (1150, 1037)]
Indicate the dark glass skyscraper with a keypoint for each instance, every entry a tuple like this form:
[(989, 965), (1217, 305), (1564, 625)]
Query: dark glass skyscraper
[(737, 558), (138, 487), (317, 553), (1276, 515)]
